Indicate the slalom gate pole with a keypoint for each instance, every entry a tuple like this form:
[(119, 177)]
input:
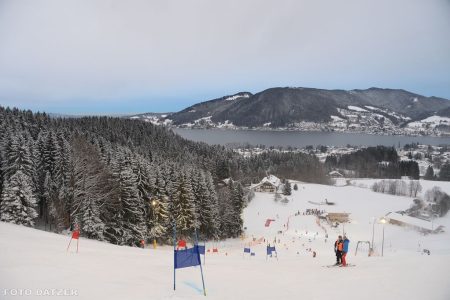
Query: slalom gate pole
[(77, 243), (69, 245), (174, 252), (199, 259), (204, 256)]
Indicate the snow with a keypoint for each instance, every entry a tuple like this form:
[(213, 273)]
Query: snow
[(232, 98), (336, 118), (426, 184), (356, 108), (431, 121), (370, 107), (33, 259)]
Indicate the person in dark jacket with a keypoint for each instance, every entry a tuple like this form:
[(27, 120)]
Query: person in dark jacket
[(338, 246), (346, 242)]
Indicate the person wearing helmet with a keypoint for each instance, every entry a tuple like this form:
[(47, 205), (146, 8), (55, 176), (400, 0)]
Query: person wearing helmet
[(338, 246)]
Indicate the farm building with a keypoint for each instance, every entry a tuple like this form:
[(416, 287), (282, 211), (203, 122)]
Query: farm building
[(269, 184)]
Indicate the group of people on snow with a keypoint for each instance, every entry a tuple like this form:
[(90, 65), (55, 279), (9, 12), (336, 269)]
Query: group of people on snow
[(341, 249)]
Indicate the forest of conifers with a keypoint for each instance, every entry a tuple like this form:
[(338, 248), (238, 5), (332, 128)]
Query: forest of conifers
[(124, 180)]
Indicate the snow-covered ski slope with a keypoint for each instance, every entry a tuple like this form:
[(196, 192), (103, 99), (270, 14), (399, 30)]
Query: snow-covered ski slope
[(36, 260)]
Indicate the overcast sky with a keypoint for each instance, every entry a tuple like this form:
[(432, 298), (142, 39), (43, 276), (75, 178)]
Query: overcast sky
[(92, 56)]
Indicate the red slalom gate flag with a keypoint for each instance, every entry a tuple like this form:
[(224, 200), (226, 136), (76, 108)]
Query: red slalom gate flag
[(76, 234), (268, 222), (181, 244)]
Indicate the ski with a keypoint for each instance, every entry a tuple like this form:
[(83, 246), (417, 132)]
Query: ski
[(341, 266)]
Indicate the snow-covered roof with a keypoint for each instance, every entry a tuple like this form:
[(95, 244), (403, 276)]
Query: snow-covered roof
[(416, 222), (335, 173), (272, 180), (226, 180)]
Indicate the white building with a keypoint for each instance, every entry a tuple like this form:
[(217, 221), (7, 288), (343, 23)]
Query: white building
[(415, 223), (269, 184)]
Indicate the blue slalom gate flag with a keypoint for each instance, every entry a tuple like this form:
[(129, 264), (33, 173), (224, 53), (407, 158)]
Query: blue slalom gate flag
[(201, 249), (270, 250), (187, 257), (246, 250)]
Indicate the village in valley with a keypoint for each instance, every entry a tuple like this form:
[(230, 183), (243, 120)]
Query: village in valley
[(355, 119)]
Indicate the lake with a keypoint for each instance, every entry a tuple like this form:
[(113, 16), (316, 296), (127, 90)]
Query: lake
[(302, 139)]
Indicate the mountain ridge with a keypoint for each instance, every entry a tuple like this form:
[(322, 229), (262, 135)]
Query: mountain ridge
[(289, 107)]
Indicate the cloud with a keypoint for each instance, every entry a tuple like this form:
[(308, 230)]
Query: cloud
[(137, 55)]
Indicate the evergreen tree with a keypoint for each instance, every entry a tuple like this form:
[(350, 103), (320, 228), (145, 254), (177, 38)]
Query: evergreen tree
[(158, 218), (287, 189), (18, 203), (17, 157), (237, 204), (429, 174), (184, 207), (133, 209), (444, 173), (206, 206), (91, 224)]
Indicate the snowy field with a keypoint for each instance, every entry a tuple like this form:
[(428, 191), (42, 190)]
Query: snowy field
[(426, 184), (35, 260)]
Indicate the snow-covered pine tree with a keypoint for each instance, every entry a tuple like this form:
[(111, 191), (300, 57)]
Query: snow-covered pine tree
[(17, 157), (157, 217), (237, 201), (214, 206), (206, 206), (287, 189), (226, 213), (91, 186), (133, 209), (51, 153), (141, 172), (18, 204), (39, 174), (91, 224), (429, 174), (184, 206), (64, 170)]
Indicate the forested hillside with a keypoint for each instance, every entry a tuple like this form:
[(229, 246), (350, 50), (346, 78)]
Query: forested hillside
[(123, 180), (374, 162)]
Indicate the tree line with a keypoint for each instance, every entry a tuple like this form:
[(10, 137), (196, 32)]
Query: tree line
[(374, 162)]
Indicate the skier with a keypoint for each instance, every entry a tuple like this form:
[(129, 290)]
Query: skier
[(345, 250), (338, 250)]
